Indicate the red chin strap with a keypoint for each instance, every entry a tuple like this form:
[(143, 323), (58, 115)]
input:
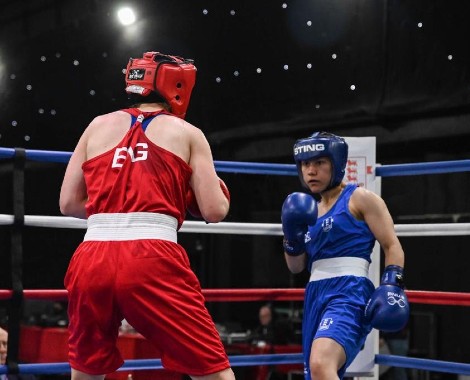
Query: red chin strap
[(170, 76)]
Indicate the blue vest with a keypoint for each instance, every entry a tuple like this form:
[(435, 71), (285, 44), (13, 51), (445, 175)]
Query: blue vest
[(339, 234)]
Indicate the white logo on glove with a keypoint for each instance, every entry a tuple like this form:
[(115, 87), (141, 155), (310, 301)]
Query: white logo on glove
[(394, 298)]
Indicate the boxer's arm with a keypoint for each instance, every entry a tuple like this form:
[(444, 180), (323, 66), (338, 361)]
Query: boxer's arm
[(296, 264), (73, 193), (212, 201), (388, 308), (373, 210)]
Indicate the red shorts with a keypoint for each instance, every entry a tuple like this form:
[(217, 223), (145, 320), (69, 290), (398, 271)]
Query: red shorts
[(151, 285)]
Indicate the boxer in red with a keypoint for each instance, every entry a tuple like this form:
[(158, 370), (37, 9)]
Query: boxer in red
[(133, 175)]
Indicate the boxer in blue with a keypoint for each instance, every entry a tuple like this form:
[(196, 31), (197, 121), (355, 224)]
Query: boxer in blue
[(331, 230)]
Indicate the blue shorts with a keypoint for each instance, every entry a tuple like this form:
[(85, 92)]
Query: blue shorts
[(334, 308)]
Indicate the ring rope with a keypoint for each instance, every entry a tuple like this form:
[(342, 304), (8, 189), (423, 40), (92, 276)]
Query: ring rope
[(274, 229), (423, 364), (252, 360), (438, 167), (146, 364), (247, 295), (233, 228)]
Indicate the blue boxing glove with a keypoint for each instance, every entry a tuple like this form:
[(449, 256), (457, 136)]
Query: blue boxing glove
[(388, 309), (299, 210)]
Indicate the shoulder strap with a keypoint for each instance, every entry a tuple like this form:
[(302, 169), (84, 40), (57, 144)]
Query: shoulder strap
[(144, 119)]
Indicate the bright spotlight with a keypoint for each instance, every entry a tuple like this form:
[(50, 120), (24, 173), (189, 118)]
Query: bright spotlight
[(126, 16)]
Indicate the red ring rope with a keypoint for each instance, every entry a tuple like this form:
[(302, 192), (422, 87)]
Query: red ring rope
[(234, 295)]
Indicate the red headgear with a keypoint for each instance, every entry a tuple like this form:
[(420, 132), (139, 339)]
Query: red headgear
[(170, 76)]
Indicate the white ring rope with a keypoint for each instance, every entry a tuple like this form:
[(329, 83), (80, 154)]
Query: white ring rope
[(268, 229)]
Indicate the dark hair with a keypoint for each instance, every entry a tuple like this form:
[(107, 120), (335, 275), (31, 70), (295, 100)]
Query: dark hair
[(135, 100)]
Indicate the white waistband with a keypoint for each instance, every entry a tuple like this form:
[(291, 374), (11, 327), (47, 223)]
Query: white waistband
[(131, 226), (339, 266)]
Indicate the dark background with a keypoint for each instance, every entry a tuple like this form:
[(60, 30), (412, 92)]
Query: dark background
[(409, 61)]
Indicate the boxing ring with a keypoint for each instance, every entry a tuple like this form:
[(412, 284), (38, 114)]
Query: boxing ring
[(20, 219)]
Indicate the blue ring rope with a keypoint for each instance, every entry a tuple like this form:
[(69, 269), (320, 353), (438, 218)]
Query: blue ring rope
[(252, 360), (439, 167), (146, 364), (424, 364), (274, 169)]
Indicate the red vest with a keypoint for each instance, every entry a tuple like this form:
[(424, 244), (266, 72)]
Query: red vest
[(137, 176)]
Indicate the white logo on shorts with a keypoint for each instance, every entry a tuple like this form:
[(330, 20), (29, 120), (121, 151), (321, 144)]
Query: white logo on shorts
[(325, 324)]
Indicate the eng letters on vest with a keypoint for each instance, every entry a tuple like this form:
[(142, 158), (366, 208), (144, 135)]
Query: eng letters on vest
[(138, 153)]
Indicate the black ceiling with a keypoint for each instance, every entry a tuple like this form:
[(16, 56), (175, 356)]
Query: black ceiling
[(399, 70)]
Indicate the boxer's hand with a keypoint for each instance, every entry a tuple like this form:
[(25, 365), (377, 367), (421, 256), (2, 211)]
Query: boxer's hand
[(388, 309), (299, 210)]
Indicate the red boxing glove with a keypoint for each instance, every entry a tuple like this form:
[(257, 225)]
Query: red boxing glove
[(191, 202), (192, 206), (224, 188)]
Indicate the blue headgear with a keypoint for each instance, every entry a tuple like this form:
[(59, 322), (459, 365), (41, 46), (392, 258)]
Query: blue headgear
[(323, 144)]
